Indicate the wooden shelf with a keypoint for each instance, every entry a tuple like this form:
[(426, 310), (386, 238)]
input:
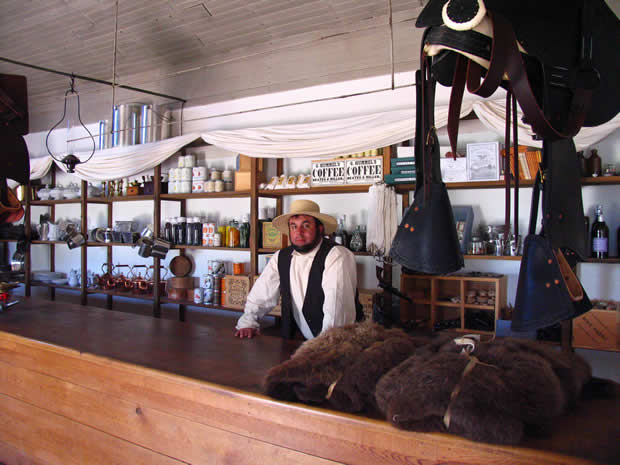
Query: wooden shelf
[(345, 189), (599, 181), (206, 195), (55, 286), (54, 202), (359, 254), (8, 240), (204, 247), (109, 244), (116, 293), (49, 242), (127, 198), (166, 300), (479, 307), (493, 257), (602, 260)]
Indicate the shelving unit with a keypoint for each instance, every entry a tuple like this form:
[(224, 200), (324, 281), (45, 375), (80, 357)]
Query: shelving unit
[(253, 194), (440, 298)]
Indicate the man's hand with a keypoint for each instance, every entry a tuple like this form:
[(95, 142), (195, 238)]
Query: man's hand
[(247, 332)]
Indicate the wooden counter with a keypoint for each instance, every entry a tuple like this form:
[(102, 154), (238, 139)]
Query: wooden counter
[(81, 385)]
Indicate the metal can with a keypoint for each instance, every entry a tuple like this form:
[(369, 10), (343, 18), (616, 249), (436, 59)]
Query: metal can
[(198, 295)]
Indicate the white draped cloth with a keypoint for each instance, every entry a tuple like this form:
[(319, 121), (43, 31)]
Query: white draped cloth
[(322, 139)]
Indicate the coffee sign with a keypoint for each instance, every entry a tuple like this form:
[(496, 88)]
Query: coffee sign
[(364, 170), (328, 172), (347, 171)]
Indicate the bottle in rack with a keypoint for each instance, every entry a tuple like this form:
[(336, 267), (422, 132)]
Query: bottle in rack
[(168, 232), (600, 235), (340, 236), (244, 232)]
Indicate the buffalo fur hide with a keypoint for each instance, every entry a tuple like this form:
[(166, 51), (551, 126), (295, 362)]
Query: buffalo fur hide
[(351, 359), (517, 384)]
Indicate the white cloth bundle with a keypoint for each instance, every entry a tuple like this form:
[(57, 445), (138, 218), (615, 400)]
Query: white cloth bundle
[(382, 219)]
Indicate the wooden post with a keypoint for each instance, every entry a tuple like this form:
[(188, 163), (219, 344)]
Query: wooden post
[(27, 230), (156, 234), (253, 219), (84, 248)]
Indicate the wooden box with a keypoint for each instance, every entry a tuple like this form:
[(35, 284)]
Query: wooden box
[(365, 298), (134, 190), (597, 329), (244, 163), (243, 180), (272, 238), (235, 291)]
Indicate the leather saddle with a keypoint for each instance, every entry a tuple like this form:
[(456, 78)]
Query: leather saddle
[(558, 60), (13, 126)]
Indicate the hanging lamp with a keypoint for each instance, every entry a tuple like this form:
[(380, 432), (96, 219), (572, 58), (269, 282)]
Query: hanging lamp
[(70, 160)]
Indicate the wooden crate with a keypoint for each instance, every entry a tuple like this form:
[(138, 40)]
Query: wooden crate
[(440, 298)]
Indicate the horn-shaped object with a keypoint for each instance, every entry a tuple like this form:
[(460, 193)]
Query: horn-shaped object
[(426, 240)]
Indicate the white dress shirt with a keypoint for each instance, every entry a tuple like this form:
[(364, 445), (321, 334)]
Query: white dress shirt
[(339, 284)]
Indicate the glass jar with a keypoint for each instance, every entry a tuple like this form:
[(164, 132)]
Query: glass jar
[(233, 234), (356, 240), (182, 225)]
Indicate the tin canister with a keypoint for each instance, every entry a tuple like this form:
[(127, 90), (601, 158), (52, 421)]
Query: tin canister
[(186, 174), (217, 240), (190, 161), (185, 187), (198, 295), (208, 296), (216, 175), (219, 186), (217, 267), (209, 186), (181, 162), (198, 186), (199, 173)]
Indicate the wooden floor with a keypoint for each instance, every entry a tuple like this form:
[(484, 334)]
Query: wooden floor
[(81, 385)]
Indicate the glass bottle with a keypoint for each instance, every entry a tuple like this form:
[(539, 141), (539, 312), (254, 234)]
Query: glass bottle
[(595, 163), (233, 234), (244, 232), (168, 234), (182, 224), (262, 218), (356, 244), (340, 236), (197, 231), (600, 235), (176, 231)]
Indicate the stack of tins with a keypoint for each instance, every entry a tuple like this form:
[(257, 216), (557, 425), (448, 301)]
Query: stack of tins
[(181, 286)]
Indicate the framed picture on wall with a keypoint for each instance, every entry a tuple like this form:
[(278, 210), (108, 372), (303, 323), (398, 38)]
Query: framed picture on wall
[(483, 161), (464, 219)]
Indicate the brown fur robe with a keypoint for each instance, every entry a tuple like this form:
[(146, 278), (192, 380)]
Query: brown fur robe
[(518, 383), (353, 357)]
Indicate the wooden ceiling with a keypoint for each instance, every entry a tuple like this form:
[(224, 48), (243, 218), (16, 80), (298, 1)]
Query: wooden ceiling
[(158, 39)]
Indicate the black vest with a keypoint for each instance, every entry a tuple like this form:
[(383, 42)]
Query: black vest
[(313, 301)]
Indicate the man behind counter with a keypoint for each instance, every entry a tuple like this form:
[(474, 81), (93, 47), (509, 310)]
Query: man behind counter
[(316, 278)]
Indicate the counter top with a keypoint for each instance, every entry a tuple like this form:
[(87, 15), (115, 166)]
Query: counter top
[(127, 388), (205, 353)]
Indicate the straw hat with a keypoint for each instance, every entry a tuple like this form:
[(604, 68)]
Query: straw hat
[(305, 207)]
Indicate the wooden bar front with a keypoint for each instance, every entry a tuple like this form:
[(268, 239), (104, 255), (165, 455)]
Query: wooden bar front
[(81, 385)]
